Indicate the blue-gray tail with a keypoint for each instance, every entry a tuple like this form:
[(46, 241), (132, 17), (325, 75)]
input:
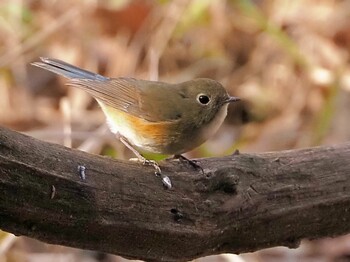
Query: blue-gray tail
[(67, 70)]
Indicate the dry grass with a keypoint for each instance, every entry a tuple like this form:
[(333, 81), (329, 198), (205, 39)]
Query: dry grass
[(288, 60)]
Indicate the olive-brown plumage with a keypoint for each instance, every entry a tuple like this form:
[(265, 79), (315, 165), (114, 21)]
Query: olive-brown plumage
[(153, 116)]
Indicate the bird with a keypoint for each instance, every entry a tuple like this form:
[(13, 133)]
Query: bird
[(152, 116)]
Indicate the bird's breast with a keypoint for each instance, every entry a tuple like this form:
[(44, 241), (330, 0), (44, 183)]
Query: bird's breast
[(209, 129)]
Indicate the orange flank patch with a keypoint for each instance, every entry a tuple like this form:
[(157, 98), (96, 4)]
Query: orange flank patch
[(138, 131), (145, 128)]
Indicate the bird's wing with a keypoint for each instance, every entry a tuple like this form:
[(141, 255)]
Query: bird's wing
[(143, 99), (153, 101)]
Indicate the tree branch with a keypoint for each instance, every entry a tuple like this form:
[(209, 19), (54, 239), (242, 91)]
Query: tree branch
[(243, 202)]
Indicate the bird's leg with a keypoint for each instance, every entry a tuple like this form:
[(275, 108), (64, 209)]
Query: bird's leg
[(165, 179), (192, 163), (140, 157)]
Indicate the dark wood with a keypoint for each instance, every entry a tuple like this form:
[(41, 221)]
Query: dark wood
[(243, 202)]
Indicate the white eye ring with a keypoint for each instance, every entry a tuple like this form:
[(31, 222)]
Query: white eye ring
[(203, 99)]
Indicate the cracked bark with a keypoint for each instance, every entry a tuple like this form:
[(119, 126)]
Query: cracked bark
[(243, 202)]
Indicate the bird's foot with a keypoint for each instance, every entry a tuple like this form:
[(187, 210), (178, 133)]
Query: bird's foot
[(158, 172), (140, 158), (192, 163)]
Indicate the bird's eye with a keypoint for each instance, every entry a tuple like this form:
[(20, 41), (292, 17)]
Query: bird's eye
[(203, 99)]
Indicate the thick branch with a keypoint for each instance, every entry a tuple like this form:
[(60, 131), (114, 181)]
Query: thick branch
[(242, 202)]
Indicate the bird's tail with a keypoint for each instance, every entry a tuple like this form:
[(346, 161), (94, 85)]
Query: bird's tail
[(67, 70)]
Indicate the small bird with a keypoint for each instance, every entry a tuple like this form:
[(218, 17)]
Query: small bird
[(152, 116)]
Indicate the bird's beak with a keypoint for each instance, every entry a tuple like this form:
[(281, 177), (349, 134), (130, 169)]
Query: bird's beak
[(232, 99)]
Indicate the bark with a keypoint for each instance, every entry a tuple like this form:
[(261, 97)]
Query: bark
[(241, 203)]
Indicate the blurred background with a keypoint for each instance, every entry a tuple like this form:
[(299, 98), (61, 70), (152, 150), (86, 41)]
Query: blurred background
[(287, 60)]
